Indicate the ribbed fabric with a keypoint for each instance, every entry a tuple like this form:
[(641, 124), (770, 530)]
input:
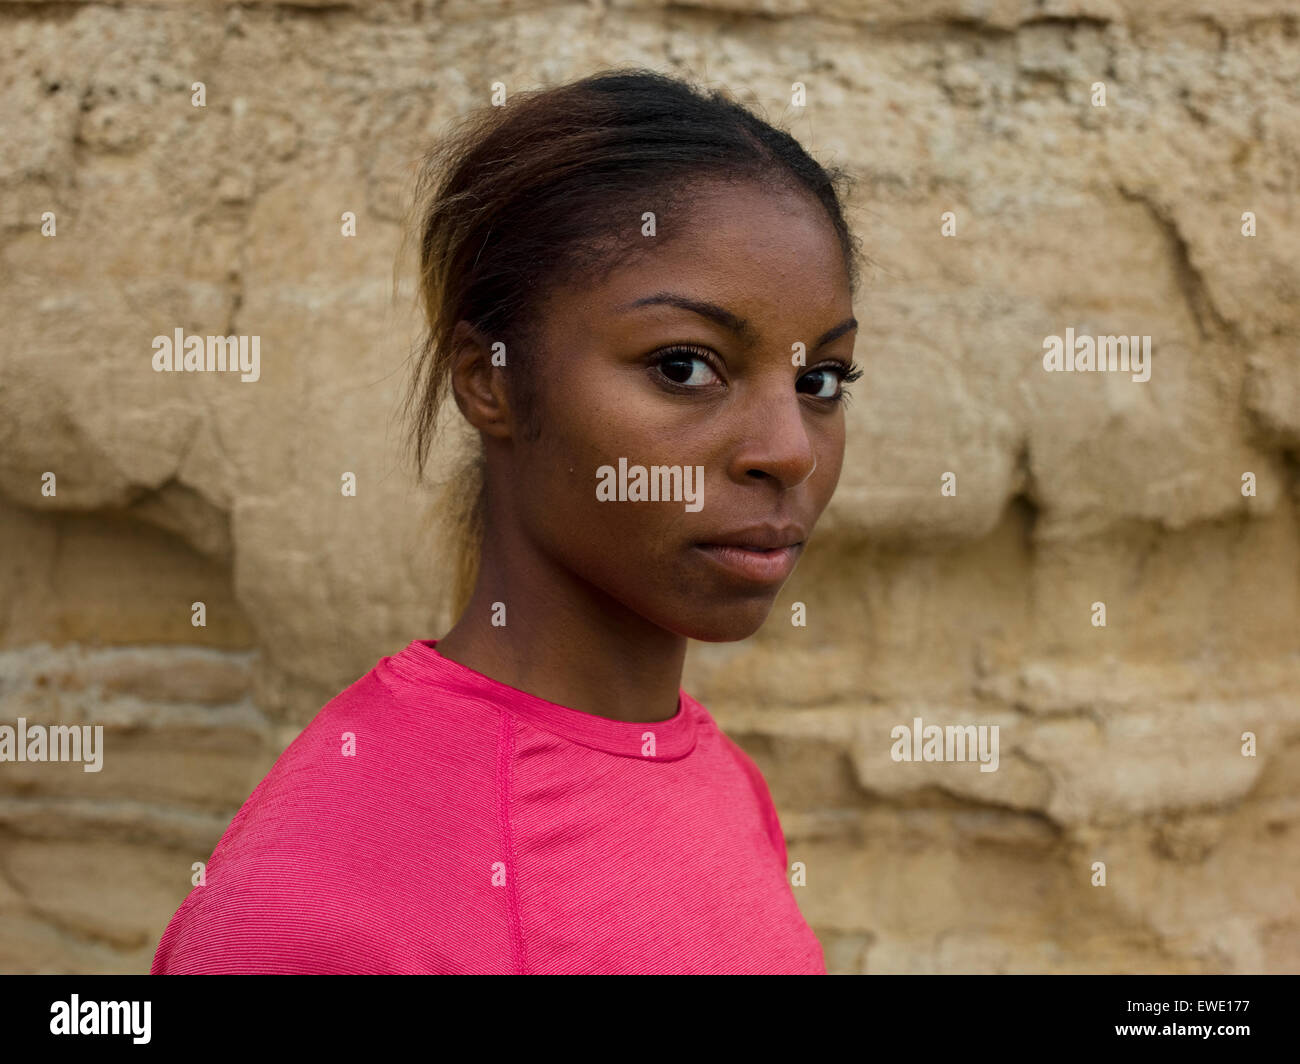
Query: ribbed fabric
[(478, 828)]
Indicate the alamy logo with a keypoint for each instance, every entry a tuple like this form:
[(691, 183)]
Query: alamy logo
[(58, 742), (191, 354), (1083, 354), (967, 742), (101, 1017), (656, 484)]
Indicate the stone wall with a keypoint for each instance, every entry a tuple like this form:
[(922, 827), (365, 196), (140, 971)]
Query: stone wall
[(1120, 743)]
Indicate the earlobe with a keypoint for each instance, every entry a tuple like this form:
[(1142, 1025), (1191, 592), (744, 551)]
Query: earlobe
[(477, 385)]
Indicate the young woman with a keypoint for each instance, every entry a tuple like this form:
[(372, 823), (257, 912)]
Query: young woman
[(640, 297)]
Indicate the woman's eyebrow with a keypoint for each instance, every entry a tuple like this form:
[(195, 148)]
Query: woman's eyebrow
[(725, 318), (712, 311), (834, 334)]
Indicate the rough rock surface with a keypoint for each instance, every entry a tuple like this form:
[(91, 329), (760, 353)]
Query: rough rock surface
[(1120, 744)]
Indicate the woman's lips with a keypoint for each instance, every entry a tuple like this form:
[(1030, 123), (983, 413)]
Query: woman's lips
[(760, 566)]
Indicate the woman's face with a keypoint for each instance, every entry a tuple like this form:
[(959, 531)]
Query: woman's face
[(750, 274)]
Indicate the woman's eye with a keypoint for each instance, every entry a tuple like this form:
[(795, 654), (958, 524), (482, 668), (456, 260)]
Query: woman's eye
[(823, 383), (693, 368), (686, 368)]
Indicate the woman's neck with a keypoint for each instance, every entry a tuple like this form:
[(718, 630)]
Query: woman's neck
[(538, 627)]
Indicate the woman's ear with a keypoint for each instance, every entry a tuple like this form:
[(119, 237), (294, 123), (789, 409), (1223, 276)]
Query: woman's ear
[(478, 386)]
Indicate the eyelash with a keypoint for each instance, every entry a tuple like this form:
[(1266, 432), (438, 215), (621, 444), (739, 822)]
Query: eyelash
[(849, 372)]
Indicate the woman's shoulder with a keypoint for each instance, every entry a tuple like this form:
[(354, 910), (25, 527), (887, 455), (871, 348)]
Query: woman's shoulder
[(370, 748), (334, 836)]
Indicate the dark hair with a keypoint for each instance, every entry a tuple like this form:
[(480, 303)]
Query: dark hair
[(552, 186)]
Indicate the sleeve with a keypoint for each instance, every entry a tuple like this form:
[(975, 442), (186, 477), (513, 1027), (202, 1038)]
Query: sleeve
[(256, 930)]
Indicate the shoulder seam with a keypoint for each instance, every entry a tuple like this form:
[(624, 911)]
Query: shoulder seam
[(378, 674), (505, 758), (767, 806)]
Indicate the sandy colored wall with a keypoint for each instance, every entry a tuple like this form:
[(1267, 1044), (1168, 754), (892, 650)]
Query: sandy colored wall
[(1119, 743)]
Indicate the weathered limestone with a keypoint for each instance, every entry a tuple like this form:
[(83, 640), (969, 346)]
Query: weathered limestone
[(1120, 745)]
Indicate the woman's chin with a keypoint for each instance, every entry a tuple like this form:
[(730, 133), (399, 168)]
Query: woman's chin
[(725, 625)]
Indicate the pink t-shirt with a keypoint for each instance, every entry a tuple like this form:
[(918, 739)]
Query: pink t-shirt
[(433, 820)]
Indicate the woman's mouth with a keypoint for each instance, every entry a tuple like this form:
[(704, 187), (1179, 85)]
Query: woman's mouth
[(760, 566)]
